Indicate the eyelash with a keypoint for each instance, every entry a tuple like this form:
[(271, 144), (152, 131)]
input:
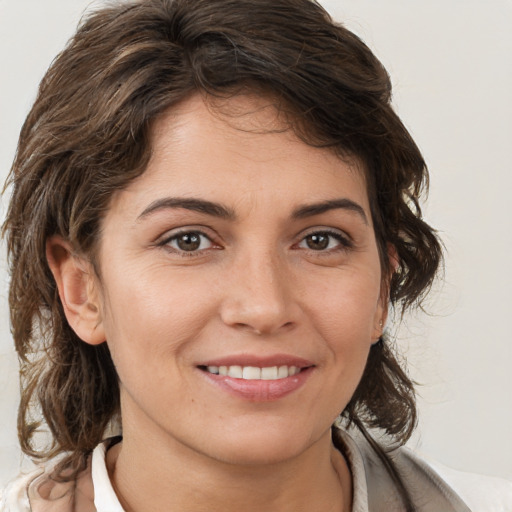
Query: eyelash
[(344, 242), (187, 254)]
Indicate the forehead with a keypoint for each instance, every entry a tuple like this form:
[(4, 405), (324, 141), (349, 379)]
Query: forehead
[(242, 145)]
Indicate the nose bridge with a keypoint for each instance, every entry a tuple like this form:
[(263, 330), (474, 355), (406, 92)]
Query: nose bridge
[(258, 297)]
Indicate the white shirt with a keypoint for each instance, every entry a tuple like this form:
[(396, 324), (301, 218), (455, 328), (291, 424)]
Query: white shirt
[(464, 492)]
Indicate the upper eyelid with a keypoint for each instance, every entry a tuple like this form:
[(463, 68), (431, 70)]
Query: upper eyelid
[(174, 232), (329, 230)]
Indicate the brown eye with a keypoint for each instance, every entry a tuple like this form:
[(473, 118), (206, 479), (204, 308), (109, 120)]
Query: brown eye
[(317, 241), (325, 241), (189, 241)]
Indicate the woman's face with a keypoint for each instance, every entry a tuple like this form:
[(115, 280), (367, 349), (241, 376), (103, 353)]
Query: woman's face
[(240, 286)]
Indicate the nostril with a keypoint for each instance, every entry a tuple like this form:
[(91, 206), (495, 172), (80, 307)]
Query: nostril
[(259, 315)]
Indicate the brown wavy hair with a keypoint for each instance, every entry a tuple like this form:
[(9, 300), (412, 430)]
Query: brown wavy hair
[(88, 135)]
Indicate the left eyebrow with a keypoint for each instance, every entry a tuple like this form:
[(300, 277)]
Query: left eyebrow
[(317, 208), (196, 205)]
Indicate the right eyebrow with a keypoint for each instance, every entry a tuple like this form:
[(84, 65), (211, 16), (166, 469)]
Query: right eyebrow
[(343, 203), (196, 205)]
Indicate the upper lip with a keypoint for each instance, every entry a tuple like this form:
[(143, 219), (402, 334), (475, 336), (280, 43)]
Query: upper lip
[(258, 361)]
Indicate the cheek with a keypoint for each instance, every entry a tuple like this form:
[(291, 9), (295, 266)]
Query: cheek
[(343, 312), (152, 317), (345, 305)]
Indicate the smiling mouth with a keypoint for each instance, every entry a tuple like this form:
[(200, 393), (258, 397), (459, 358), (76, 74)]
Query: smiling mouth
[(254, 372)]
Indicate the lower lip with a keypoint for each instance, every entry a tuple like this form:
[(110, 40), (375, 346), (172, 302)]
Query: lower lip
[(260, 390)]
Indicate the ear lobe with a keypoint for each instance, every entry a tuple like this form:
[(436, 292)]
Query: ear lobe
[(379, 321), (78, 290)]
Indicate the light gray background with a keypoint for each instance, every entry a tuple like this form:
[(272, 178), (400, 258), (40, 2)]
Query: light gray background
[(451, 65)]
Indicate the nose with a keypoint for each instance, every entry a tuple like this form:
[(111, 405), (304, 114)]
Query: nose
[(259, 296)]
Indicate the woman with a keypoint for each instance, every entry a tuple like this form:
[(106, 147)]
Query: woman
[(213, 207)]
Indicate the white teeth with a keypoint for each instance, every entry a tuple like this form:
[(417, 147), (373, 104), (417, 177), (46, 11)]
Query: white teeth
[(282, 372), (269, 373), (235, 372), (253, 372)]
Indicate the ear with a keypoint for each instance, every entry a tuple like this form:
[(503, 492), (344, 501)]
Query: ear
[(381, 314), (78, 290)]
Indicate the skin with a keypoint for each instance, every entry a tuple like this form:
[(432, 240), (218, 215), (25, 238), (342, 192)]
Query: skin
[(259, 283)]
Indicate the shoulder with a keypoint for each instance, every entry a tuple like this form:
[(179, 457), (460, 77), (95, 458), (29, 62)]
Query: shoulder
[(38, 491), (432, 486), (481, 493), (14, 498)]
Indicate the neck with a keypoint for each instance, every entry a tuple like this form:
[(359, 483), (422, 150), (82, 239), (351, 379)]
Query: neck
[(153, 474)]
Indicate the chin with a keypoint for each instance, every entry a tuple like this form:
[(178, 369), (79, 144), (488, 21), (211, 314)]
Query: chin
[(261, 447)]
